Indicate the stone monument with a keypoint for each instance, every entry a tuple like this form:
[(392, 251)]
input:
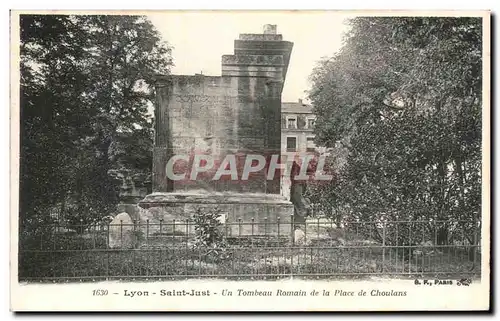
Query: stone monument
[(121, 232), (227, 117), (133, 188)]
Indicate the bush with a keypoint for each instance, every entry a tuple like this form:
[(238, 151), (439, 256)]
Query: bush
[(210, 234)]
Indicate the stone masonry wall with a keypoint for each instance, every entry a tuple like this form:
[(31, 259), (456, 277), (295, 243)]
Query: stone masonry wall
[(218, 116)]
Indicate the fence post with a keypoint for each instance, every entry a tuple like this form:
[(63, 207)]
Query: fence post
[(383, 246), (82, 230), (292, 234), (305, 232), (173, 230), (186, 249), (121, 233), (317, 234), (476, 245), (54, 235), (410, 252), (107, 233), (53, 252), (266, 236), (135, 239), (94, 235), (226, 226), (278, 222), (147, 232)]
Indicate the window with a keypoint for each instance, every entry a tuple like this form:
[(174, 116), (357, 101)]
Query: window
[(291, 144), (310, 144), (311, 121), (291, 122)]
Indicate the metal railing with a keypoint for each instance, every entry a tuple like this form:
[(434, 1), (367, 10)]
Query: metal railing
[(253, 249)]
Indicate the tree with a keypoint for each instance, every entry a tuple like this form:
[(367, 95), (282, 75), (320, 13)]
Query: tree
[(86, 86), (403, 97), (50, 109)]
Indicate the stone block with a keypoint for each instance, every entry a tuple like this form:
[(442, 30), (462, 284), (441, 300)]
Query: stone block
[(245, 214), (121, 232)]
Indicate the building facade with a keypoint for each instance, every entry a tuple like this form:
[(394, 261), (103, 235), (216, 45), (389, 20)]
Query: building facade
[(297, 134), (297, 128)]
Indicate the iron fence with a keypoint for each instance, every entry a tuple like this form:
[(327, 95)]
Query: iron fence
[(316, 248)]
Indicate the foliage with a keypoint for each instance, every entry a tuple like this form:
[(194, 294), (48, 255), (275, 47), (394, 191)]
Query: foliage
[(86, 86), (209, 233), (400, 104)]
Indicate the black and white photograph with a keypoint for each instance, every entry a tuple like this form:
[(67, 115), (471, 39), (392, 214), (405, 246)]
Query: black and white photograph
[(321, 159)]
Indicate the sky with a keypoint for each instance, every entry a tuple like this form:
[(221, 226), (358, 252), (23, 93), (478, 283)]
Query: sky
[(199, 39)]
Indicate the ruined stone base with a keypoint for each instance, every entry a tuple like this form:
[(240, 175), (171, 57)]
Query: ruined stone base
[(131, 209), (243, 214)]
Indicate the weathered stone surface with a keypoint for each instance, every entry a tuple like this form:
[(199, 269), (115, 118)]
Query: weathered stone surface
[(270, 29), (121, 232), (164, 220), (205, 197), (272, 60), (134, 186), (130, 209), (299, 237), (216, 116), (237, 113), (244, 213)]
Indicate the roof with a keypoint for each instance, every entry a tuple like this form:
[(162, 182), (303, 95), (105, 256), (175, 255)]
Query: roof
[(298, 108)]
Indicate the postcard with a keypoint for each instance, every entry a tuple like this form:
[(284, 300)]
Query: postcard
[(250, 160)]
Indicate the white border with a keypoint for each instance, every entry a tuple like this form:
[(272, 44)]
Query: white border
[(426, 5)]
